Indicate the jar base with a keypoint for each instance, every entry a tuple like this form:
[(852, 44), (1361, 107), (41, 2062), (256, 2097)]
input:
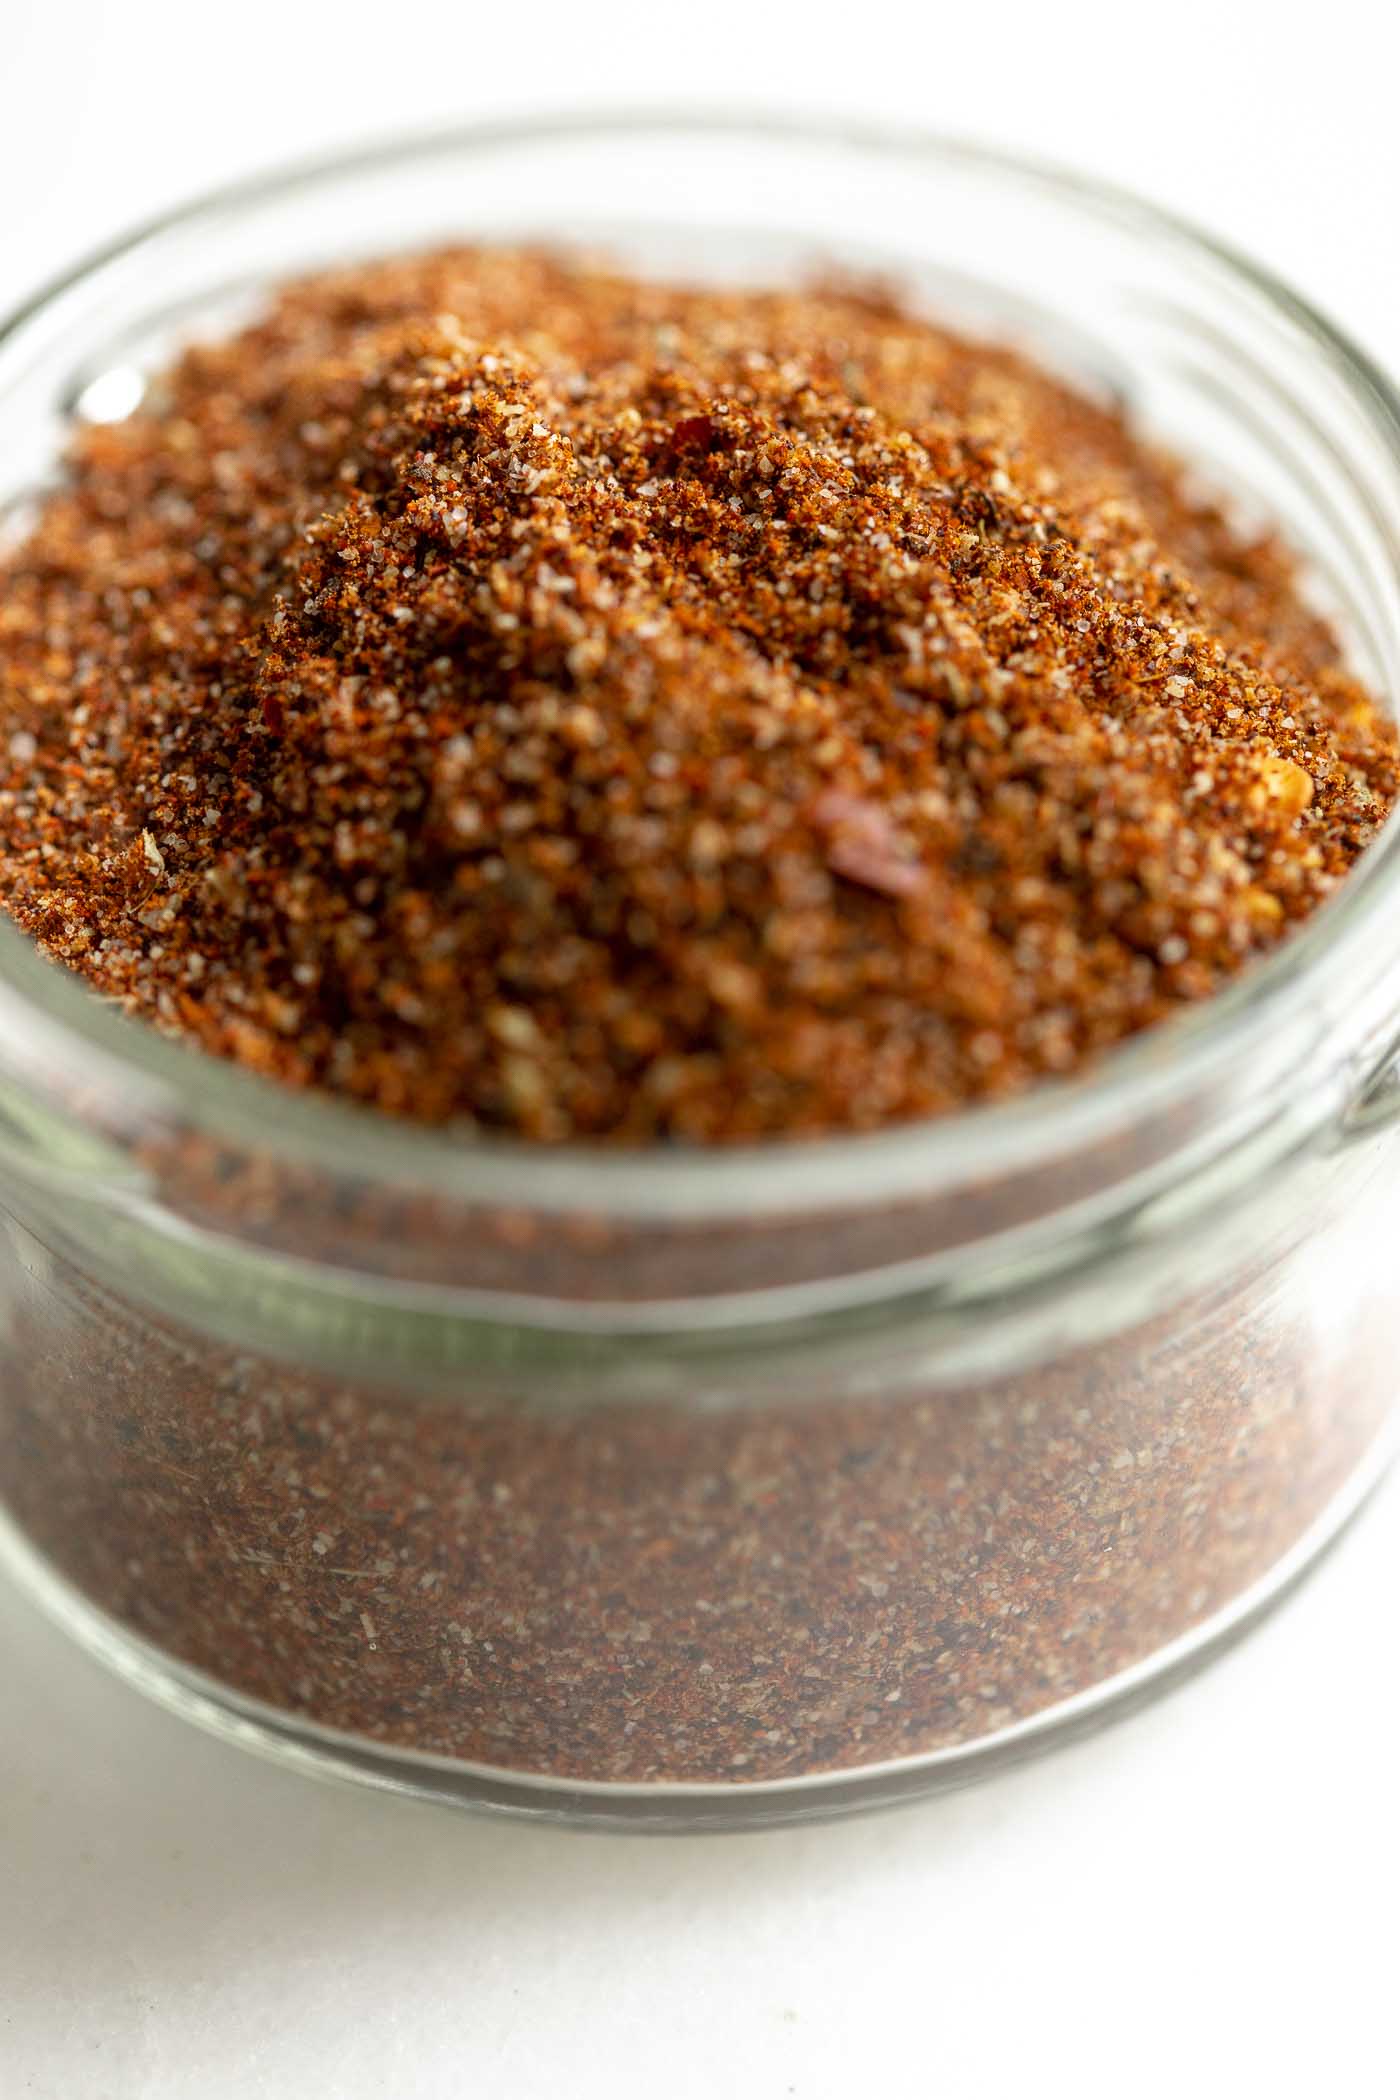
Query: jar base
[(676, 1806)]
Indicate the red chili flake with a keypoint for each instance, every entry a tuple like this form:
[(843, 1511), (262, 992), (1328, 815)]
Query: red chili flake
[(693, 434), (863, 845)]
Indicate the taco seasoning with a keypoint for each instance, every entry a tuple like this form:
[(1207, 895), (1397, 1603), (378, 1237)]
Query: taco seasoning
[(505, 694), (498, 691)]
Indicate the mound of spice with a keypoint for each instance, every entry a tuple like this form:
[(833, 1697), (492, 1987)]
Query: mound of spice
[(492, 688)]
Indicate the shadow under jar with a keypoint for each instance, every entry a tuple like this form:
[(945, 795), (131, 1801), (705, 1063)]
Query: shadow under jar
[(682, 1487)]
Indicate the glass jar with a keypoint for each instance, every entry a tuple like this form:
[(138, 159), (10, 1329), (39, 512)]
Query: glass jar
[(679, 1487)]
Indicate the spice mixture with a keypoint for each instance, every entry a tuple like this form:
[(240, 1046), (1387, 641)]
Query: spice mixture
[(650, 1593), (492, 688)]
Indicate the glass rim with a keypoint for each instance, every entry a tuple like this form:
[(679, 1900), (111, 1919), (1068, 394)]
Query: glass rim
[(676, 1179)]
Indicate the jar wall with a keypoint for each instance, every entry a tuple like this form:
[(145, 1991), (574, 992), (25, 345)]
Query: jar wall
[(758, 1590)]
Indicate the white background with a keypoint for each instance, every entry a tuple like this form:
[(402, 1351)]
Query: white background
[(1201, 1900)]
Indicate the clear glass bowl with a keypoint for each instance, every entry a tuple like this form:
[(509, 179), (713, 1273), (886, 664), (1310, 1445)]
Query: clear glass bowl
[(684, 1488)]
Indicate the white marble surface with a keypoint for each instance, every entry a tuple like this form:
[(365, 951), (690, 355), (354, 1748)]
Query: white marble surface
[(1201, 1900)]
